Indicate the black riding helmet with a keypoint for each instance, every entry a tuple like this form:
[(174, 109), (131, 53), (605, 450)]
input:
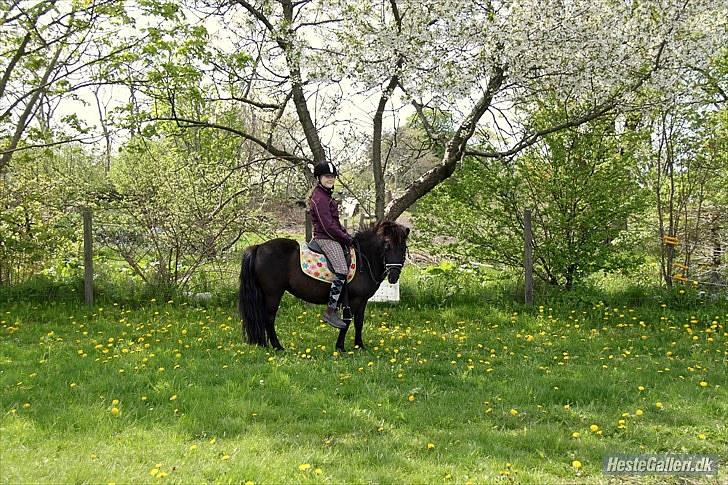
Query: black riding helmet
[(325, 168)]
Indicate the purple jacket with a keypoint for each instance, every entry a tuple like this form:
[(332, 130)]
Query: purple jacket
[(325, 217)]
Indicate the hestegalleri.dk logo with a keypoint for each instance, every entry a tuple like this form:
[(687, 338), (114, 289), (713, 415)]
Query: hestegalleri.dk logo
[(666, 464)]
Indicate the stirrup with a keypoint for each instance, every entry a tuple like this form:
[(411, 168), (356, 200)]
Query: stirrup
[(346, 315)]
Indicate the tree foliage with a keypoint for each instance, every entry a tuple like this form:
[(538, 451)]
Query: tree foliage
[(581, 187)]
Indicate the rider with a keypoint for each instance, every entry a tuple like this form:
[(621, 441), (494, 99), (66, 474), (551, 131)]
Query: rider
[(330, 235)]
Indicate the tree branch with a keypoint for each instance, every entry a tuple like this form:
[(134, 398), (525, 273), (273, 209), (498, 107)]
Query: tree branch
[(277, 152)]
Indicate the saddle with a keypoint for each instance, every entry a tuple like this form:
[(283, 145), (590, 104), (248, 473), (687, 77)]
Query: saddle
[(314, 262)]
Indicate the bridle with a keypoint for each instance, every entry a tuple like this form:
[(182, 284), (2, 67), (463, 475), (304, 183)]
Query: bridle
[(387, 266)]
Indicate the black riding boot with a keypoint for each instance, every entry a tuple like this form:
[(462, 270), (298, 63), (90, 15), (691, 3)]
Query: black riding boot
[(330, 316)]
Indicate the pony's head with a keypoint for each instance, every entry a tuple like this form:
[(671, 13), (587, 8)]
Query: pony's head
[(394, 237)]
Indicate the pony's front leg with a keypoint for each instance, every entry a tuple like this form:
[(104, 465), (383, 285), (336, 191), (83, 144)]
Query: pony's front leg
[(340, 342), (358, 326)]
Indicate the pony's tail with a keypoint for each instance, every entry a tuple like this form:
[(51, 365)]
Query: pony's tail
[(251, 303)]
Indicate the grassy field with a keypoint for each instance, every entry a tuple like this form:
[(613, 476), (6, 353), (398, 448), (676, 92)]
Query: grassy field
[(451, 390)]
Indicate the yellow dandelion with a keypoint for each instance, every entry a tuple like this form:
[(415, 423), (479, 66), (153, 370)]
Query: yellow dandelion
[(701, 436), (659, 405), (193, 447), (115, 411), (641, 388), (173, 398), (639, 412), (304, 466), (576, 435), (250, 482), (225, 457), (411, 398), (115, 402), (576, 464), (318, 471), (154, 472), (514, 412), (593, 428), (26, 405), (703, 384), (430, 446)]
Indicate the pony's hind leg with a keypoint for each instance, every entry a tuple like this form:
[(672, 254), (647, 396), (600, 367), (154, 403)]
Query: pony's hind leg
[(272, 302)]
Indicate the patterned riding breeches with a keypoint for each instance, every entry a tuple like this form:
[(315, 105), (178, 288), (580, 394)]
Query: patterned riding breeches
[(335, 254)]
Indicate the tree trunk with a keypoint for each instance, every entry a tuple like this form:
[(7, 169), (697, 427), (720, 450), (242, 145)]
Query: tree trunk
[(299, 99), (378, 172), (454, 153)]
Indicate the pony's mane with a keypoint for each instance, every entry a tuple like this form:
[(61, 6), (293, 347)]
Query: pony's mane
[(396, 233)]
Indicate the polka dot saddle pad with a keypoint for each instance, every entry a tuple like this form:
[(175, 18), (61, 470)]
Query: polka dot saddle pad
[(314, 265)]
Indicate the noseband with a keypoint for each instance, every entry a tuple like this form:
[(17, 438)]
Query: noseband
[(389, 266)]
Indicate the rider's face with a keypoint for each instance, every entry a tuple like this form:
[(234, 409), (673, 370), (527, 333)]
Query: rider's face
[(328, 181)]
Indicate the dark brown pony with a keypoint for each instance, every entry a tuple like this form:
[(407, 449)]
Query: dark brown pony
[(272, 268)]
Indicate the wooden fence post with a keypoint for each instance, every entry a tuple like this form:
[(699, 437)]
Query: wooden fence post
[(88, 264), (309, 226), (528, 255)]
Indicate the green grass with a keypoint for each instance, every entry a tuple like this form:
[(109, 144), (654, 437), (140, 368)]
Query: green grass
[(498, 390)]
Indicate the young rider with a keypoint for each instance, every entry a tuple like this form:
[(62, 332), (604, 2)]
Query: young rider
[(330, 235)]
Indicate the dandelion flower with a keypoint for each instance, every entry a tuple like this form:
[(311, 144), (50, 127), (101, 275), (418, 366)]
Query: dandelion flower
[(514, 412), (173, 398), (576, 435), (639, 412), (115, 411), (593, 428), (430, 446), (701, 436), (411, 398), (576, 464), (659, 405), (304, 466), (703, 384)]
